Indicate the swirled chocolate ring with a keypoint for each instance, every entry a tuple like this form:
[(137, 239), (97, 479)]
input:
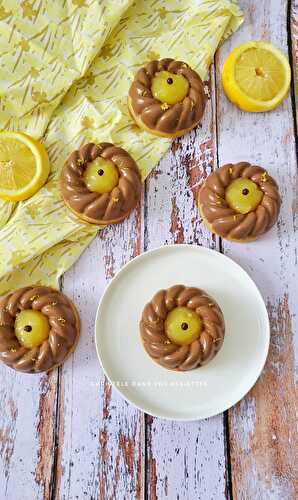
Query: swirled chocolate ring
[(195, 353), (63, 329), (232, 224), (170, 107), (109, 207)]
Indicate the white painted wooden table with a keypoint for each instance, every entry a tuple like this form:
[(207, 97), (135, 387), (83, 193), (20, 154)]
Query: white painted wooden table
[(69, 435)]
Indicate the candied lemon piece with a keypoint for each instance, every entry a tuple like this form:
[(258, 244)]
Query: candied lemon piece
[(243, 195), (256, 76), (31, 328), (24, 166), (101, 176), (168, 87), (182, 325)]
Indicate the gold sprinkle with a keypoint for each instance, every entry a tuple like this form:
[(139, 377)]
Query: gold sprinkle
[(33, 359), (192, 104), (184, 65), (81, 162), (210, 304), (34, 297), (264, 177), (234, 217), (164, 106), (53, 304), (230, 170), (216, 340), (142, 92), (61, 320), (13, 349), (115, 200), (167, 341)]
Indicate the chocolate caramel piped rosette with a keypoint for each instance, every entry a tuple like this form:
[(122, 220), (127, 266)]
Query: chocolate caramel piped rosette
[(39, 329), (167, 98), (182, 328), (100, 183), (239, 202)]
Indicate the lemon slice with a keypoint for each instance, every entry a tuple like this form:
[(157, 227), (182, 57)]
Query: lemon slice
[(24, 166), (256, 76)]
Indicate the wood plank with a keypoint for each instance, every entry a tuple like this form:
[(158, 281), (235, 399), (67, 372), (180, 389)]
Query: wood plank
[(294, 49), (263, 429), (27, 424), (100, 436), (185, 460)]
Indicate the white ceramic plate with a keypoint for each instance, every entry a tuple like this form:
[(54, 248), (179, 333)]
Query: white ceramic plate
[(197, 393)]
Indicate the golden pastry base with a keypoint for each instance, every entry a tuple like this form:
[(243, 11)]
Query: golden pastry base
[(209, 226), (98, 222), (157, 132)]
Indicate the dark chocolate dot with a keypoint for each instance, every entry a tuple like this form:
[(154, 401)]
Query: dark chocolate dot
[(170, 81), (184, 326), (245, 191), (28, 328), (100, 172)]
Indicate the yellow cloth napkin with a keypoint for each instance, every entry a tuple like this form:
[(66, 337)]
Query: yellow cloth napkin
[(65, 70)]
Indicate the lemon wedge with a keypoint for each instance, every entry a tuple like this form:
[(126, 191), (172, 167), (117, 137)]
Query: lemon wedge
[(24, 166), (256, 76)]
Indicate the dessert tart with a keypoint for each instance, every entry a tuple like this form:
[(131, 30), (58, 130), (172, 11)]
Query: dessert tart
[(39, 328), (182, 328), (239, 202), (101, 183), (167, 98)]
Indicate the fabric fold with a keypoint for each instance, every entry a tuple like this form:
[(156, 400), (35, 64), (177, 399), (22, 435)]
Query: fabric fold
[(102, 44)]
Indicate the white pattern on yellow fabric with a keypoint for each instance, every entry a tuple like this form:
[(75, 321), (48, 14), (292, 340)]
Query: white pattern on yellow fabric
[(65, 71)]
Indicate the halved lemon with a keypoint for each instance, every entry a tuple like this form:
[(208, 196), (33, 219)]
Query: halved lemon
[(24, 166), (256, 76)]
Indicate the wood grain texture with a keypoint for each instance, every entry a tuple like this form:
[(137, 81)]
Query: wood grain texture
[(263, 428), (27, 422), (293, 25), (183, 458), (101, 437)]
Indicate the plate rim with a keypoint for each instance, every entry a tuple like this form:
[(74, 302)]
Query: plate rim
[(203, 249)]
